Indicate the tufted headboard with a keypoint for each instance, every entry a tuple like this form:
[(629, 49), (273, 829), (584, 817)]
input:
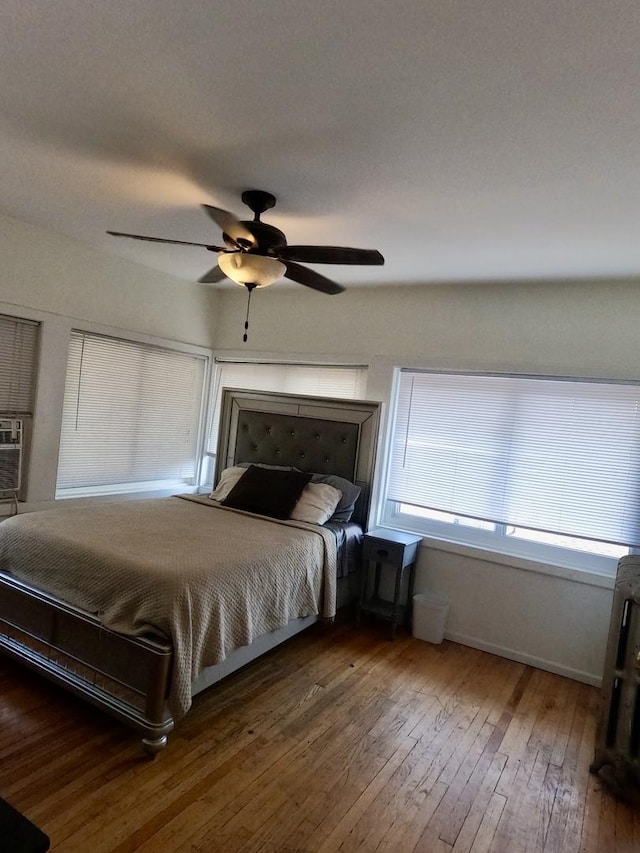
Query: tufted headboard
[(316, 434)]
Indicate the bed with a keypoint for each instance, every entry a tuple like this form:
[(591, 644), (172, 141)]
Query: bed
[(122, 603)]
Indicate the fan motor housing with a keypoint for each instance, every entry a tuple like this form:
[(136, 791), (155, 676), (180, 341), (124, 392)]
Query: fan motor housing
[(268, 237)]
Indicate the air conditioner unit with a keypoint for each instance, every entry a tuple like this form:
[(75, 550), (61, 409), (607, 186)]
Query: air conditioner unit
[(11, 437)]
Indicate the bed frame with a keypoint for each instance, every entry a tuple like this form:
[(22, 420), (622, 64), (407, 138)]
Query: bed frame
[(129, 677)]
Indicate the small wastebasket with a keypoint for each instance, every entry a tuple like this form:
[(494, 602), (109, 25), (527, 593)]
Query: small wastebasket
[(429, 616)]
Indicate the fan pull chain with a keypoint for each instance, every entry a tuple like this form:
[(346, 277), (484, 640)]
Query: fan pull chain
[(250, 288)]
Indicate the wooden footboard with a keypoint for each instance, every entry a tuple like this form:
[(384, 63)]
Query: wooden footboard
[(128, 677)]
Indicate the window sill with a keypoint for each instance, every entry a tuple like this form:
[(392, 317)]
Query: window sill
[(604, 579)]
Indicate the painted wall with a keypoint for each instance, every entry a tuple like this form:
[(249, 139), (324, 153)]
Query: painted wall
[(562, 328), (530, 616), (571, 328), (50, 273), (65, 285)]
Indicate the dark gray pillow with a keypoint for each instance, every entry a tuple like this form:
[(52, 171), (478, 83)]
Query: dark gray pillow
[(267, 491), (350, 493)]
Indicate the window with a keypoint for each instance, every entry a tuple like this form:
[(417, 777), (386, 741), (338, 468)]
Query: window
[(130, 418), (323, 380), (551, 462), (18, 353)]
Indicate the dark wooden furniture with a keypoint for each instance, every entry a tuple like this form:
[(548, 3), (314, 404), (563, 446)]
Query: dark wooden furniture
[(617, 752), (394, 553)]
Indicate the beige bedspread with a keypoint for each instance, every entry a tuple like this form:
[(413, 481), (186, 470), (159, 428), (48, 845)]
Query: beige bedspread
[(208, 578)]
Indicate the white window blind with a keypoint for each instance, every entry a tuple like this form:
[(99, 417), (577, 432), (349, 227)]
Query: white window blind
[(561, 456), (18, 354), (315, 379), (131, 415)]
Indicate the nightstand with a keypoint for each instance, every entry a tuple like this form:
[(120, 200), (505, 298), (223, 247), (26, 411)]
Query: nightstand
[(393, 553)]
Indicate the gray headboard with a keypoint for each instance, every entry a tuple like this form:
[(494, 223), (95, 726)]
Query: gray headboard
[(317, 434)]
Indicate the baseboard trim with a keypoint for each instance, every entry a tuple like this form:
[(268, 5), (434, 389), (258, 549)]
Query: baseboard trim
[(530, 660)]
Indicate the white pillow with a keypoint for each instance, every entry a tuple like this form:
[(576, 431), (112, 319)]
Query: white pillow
[(227, 481), (316, 504)]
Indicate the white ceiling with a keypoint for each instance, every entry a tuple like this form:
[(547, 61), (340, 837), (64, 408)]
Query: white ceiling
[(464, 139)]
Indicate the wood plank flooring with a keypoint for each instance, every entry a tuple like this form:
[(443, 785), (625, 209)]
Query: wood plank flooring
[(340, 740)]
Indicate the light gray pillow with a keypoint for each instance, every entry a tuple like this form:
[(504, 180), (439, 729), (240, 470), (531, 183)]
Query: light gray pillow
[(317, 503), (350, 493), (228, 478)]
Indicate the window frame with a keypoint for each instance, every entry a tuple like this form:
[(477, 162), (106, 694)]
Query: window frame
[(489, 545), (157, 486), (494, 545), (20, 402), (23, 363), (210, 448)]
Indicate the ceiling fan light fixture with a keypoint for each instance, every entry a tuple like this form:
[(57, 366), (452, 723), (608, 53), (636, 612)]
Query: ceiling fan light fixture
[(245, 268), (257, 254)]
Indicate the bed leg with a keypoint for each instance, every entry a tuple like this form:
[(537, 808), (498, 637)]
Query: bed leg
[(152, 746)]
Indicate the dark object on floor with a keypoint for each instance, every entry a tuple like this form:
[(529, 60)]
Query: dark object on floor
[(622, 781), (19, 835)]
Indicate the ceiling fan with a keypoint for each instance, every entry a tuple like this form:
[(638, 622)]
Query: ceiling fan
[(256, 254)]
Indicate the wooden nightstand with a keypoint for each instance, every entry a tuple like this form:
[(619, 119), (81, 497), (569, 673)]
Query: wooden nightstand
[(390, 551)]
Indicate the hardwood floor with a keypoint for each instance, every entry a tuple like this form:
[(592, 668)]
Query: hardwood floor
[(338, 741)]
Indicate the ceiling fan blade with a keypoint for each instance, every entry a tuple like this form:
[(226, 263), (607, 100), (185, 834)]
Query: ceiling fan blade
[(330, 255), (162, 240), (311, 278), (232, 227), (214, 275)]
